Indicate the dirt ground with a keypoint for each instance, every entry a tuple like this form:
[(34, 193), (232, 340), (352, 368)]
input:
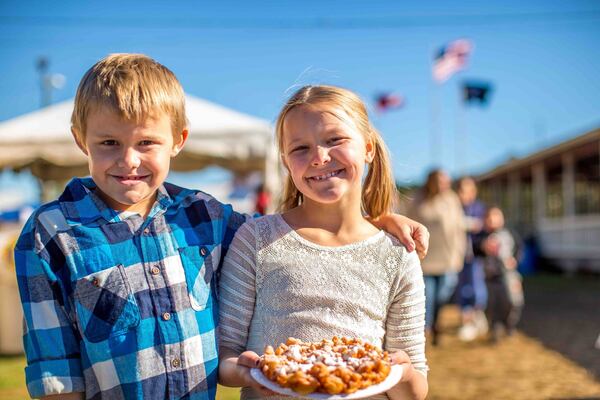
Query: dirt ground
[(564, 314), (551, 357)]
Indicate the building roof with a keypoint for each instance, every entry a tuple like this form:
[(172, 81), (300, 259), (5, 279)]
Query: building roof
[(551, 152)]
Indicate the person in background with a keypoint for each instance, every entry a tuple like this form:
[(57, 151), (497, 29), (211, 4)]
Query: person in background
[(263, 200), (499, 251), (471, 290), (439, 209)]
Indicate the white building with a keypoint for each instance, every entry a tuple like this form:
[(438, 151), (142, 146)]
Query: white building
[(553, 194)]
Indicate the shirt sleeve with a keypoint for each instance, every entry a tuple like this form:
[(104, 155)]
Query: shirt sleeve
[(405, 324), (50, 341), (237, 289), (232, 222)]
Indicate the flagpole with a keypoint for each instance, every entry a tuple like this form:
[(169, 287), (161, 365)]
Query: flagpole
[(435, 148), (460, 138), (448, 61), (434, 117)]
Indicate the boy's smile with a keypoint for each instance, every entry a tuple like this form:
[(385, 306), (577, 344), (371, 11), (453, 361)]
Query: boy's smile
[(129, 160), (130, 179)]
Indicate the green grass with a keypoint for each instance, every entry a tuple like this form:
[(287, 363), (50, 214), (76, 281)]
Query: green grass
[(227, 393), (12, 378)]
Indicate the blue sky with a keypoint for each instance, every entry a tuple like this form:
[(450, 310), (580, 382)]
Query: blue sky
[(542, 57)]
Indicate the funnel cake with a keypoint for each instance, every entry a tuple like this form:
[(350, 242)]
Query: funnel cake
[(336, 367)]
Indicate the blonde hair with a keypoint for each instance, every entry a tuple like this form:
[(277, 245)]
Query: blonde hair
[(132, 85), (379, 189)]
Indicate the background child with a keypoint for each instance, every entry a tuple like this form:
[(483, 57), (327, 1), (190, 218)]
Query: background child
[(499, 250), (117, 277), (321, 269)]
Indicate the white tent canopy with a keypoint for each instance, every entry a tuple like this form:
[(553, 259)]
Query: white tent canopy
[(42, 141)]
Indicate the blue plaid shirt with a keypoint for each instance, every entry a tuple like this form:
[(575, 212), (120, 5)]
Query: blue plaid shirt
[(123, 307)]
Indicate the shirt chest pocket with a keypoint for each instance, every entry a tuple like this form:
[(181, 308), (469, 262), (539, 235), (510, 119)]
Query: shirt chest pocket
[(199, 264), (105, 304)]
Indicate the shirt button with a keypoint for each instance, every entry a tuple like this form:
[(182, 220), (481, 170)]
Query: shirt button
[(203, 251), (146, 231), (176, 363), (166, 316), (155, 270)]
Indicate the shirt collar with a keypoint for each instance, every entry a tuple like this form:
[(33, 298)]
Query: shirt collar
[(81, 203)]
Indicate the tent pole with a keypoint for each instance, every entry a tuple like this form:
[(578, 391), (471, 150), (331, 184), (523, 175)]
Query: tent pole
[(271, 176)]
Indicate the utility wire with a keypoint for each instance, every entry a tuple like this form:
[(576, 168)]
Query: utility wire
[(325, 23)]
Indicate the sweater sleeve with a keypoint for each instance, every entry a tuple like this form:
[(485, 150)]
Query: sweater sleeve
[(237, 290), (405, 324)]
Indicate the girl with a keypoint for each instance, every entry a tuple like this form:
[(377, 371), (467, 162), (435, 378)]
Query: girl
[(320, 268)]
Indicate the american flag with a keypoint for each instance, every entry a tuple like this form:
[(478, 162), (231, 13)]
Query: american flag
[(388, 101), (450, 59)]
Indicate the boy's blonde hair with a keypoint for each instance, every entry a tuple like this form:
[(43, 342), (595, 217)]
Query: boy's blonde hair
[(132, 85), (379, 189)]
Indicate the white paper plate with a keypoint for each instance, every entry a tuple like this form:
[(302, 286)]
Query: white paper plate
[(389, 382)]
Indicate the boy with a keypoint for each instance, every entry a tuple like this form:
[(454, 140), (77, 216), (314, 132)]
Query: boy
[(117, 276), (499, 250)]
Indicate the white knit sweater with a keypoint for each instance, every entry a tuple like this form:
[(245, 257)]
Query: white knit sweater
[(275, 284)]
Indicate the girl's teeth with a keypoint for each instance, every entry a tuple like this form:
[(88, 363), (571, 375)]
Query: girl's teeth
[(329, 175)]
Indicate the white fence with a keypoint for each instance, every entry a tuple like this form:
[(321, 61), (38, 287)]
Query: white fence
[(572, 241)]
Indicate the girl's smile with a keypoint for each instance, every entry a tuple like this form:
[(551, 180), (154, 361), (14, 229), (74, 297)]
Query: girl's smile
[(327, 175)]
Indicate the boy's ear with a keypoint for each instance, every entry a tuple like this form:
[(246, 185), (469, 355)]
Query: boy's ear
[(370, 152), (80, 144), (178, 144)]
